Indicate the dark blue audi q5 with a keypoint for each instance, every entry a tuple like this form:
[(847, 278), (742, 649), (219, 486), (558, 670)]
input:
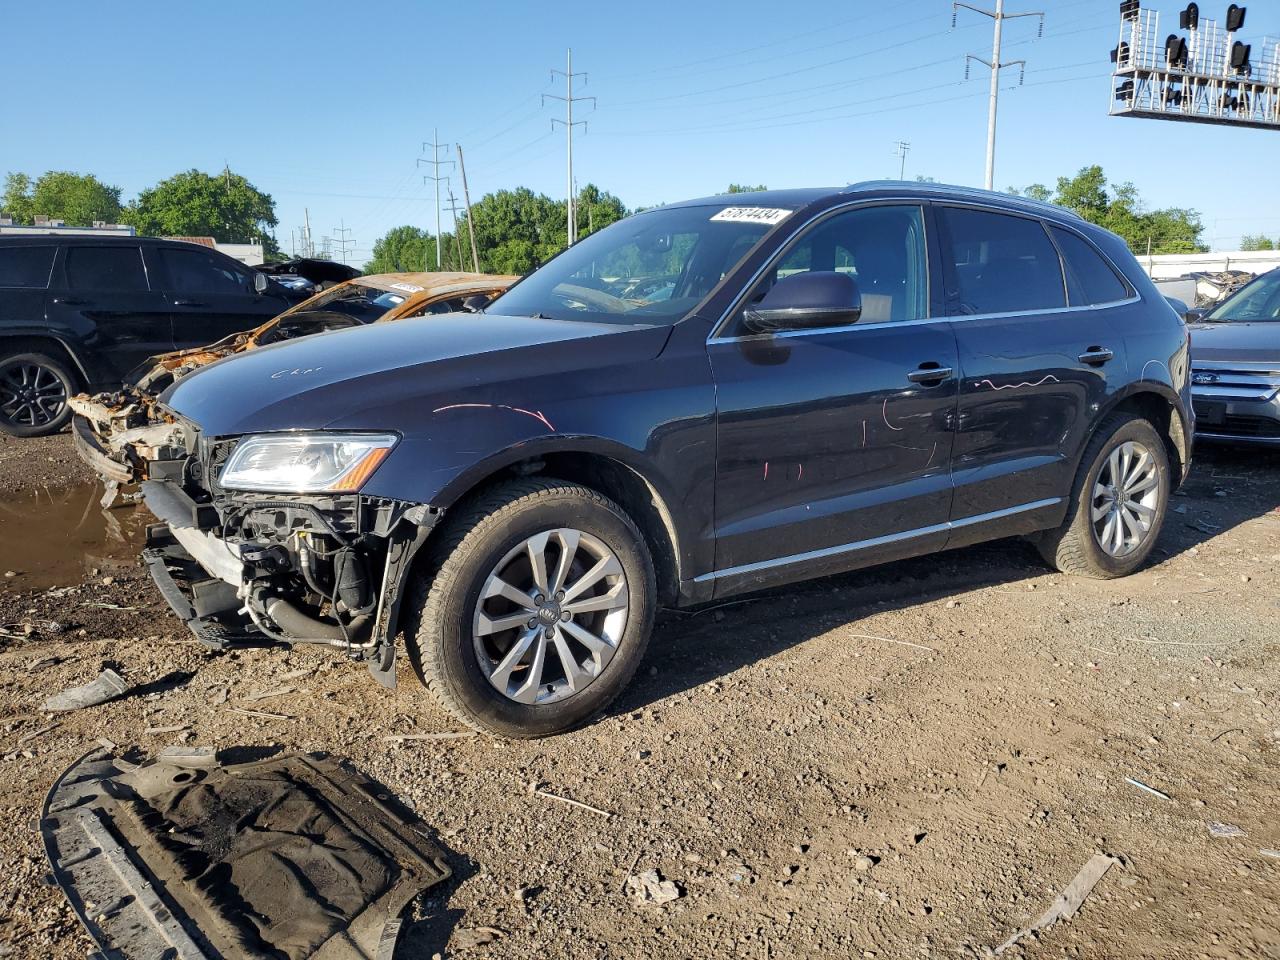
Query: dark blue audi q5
[(701, 400)]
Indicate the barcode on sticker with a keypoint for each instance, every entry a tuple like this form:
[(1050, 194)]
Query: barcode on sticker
[(769, 215)]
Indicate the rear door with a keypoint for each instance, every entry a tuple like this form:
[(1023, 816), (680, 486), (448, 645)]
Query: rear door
[(1036, 365), (102, 296), (211, 295), (835, 444)]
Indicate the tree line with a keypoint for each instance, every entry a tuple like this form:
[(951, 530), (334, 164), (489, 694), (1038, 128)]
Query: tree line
[(224, 206)]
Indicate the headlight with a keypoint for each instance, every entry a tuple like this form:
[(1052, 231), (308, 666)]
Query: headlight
[(305, 462)]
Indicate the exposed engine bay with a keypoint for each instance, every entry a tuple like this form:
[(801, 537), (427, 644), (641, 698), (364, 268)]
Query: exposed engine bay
[(243, 568)]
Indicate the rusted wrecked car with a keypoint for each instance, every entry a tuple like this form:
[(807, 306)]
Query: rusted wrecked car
[(117, 433)]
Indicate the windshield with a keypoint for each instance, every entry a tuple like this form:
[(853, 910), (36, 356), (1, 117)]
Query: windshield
[(1256, 301), (651, 268)]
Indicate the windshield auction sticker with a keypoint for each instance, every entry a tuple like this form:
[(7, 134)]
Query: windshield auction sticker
[(769, 215), (407, 287)]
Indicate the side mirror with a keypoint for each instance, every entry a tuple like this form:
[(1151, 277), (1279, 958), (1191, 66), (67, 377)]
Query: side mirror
[(261, 282), (806, 300), (1196, 314)]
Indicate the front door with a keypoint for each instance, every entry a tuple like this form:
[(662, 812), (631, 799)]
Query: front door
[(1040, 351), (834, 445), (212, 296), (102, 297)]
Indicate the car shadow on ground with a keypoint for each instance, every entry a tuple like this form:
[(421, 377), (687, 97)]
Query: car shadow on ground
[(1228, 486)]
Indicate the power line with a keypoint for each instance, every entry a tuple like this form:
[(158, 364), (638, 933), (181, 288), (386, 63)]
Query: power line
[(998, 17), (436, 163), (569, 123)]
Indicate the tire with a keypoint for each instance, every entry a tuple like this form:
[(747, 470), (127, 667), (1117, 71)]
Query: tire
[(1085, 544), (450, 627), (34, 389)]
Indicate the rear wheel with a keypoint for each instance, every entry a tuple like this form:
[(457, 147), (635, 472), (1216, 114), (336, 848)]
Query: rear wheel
[(34, 390), (1118, 503), (538, 611)]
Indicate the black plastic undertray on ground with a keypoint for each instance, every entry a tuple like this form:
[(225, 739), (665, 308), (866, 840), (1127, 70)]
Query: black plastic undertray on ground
[(184, 858)]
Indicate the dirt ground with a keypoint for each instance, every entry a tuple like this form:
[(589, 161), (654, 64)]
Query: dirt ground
[(910, 761)]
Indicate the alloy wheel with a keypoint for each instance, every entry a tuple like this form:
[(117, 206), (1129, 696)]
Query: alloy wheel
[(550, 616), (1126, 498), (31, 395)]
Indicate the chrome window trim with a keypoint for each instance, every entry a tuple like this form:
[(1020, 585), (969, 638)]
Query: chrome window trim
[(722, 322), (858, 545), (850, 327)]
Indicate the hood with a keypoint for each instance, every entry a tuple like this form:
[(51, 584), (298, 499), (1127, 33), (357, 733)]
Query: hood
[(359, 378), (1236, 342)]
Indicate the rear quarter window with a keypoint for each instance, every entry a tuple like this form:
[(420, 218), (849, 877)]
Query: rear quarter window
[(26, 267), (1090, 279), (1000, 264)]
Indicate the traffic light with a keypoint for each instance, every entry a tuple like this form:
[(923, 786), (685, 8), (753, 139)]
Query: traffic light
[(1175, 50), (1129, 9), (1120, 54), (1240, 56), (1189, 19), (1235, 18)]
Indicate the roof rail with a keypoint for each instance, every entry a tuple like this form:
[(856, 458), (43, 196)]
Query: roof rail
[(955, 190)]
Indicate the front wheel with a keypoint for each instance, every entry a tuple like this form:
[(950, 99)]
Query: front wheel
[(539, 609), (1118, 502)]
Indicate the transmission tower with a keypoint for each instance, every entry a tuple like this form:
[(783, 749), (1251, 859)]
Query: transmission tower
[(435, 163), (569, 100), (995, 66)]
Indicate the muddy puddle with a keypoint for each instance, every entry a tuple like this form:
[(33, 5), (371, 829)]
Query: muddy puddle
[(52, 538)]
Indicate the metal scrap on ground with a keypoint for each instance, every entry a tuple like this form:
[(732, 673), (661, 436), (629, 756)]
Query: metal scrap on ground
[(107, 686), (1069, 901)]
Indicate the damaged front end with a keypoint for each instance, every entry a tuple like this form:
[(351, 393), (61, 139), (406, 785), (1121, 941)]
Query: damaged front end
[(242, 567)]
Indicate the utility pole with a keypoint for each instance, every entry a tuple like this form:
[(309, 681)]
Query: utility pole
[(902, 149), (569, 100), (343, 243), (436, 163), (995, 66), (453, 208), (307, 249), (466, 197)]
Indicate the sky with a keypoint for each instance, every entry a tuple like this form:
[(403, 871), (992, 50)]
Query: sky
[(326, 105)]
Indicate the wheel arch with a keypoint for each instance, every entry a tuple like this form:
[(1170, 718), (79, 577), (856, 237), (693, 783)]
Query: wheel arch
[(1158, 404), (611, 472), (54, 346)]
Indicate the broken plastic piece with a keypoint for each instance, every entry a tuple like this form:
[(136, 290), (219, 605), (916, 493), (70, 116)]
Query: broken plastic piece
[(1066, 904), (107, 686), (294, 857)]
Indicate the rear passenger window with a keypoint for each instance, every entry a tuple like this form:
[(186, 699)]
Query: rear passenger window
[(26, 266), (1001, 264), (1090, 279), (195, 271), (106, 269)]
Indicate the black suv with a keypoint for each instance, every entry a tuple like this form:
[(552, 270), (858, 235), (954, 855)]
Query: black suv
[(702, 400), (80, 312)]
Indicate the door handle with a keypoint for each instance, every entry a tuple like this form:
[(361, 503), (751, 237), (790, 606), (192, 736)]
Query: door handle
[(929, 374), (188, 303), (1097, 356)]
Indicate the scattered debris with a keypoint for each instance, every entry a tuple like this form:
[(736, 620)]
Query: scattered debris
[(105, 606), (453, 735), (105, 743), (267, 694), (1184, 643), (1066, 904), (297, 674), (43, 663), (539, 792), (475, 937), (107, 686), (1224, 831), (319, 866), (259, 713), (28, 737), (177, 728), (1151, 790), (1225, 732), (1273, 854), (904, 643), (648, 887)]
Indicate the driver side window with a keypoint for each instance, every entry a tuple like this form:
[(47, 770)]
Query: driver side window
[(883, 248)]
